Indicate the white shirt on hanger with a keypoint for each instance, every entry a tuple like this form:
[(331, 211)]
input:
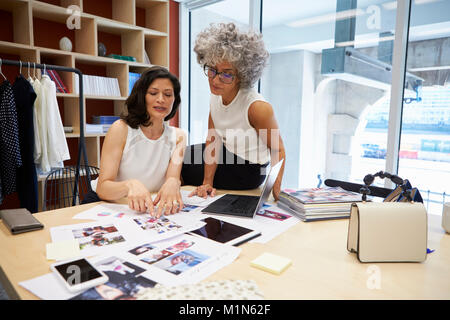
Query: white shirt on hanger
[(37, 140), (57, 148), (41, 110)]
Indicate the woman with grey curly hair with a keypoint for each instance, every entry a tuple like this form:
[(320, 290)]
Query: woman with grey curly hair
[(239, 116)]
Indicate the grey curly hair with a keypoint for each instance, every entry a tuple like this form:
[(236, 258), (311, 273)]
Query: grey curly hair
[(244, 50)]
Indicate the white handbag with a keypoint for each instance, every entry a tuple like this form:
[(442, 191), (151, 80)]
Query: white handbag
[(388, 231)]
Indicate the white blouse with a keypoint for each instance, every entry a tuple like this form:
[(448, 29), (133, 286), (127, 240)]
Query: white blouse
[(145, 159), (232, 125), (57, 149)]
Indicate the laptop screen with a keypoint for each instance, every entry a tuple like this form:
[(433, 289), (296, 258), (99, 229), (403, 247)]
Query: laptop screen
[(270, 181)]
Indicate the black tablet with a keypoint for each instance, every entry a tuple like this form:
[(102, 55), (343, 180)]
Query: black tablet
[(225, 232)]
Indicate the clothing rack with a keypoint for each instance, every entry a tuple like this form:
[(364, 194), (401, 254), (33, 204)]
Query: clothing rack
[(81, 145)]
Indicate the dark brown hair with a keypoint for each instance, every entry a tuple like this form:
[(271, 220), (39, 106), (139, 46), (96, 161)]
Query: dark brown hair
[(137, 111)]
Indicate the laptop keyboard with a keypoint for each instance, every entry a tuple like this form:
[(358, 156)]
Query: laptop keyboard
[(244, 205), (235, 205)]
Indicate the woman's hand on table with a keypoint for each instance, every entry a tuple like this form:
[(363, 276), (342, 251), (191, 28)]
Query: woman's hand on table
[(168, 199), (203, 191), (139, 198)]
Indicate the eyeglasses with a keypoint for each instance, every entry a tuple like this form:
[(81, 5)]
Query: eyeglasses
[(225, 77)]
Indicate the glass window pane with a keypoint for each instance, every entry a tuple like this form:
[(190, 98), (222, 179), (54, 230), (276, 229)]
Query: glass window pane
[(333, 116), (236, 11), (424, 156)]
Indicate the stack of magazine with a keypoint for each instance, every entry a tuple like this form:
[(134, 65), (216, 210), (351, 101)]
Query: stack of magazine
[(318, 203)]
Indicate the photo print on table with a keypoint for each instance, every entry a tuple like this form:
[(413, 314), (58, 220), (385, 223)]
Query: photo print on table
[(188, 208), (142, 249), (97, 236), (111, 214), (273, 215), (124, 281), (181, 262), (158, 255), (160, 226)]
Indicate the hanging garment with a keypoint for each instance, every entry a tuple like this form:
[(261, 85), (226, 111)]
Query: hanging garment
[(41, 155), (36, 84), (10, 158), (57, 148), (26, 176)]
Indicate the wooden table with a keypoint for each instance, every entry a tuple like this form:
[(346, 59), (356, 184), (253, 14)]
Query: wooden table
[(322, 268)]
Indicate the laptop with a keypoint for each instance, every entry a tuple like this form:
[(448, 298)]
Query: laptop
[(242, 205)]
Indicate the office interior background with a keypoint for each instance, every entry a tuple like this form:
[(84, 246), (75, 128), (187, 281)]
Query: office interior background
[(386, 107), (359, 120)]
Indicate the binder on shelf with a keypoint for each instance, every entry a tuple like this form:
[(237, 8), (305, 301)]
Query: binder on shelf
[(54, 76), (146, 58), (132, 78), (104, 119), (68, 129), (97, 128), (98, 86)]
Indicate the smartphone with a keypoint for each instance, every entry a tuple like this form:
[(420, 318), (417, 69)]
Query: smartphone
[(225, 232), (78, 275)]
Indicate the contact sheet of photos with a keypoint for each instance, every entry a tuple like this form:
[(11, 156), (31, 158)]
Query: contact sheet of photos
[(138, 251), (110, 234), (183, 260), (180, 260)]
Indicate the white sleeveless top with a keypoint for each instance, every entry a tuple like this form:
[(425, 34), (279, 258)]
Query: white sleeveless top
[(232, 125), (144, 159)]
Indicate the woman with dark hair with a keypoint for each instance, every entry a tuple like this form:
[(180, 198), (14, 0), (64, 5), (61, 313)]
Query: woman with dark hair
[(141, 152)]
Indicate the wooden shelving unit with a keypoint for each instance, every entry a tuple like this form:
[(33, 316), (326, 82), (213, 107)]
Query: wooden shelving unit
[(30, 31)]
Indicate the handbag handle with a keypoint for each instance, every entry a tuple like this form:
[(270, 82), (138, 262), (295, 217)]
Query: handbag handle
[(368, 180)]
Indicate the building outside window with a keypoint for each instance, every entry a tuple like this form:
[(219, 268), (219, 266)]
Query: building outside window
[(336, 124)]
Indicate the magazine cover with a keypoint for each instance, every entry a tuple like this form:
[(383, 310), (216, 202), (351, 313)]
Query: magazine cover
[(323, 195)]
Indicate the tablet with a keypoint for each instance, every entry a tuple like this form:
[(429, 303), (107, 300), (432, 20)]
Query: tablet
[(225, 232)]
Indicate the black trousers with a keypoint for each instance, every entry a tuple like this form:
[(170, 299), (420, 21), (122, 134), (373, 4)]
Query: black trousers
[(233, 172)]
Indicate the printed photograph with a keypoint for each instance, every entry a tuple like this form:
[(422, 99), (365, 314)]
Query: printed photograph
[(159, 226), (124, 281), (141, 249), (273, 215), (156, 256), (97, 236), (180, 246), (100, 240), (111, 214), (181, 262), (94, 231), (188, 208)]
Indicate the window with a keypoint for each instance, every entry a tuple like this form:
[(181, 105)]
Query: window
[(424, 155), (199, 88), (321, 113), (336, 123)]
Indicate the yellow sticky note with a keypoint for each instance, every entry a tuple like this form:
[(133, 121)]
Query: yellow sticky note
[(271, 263), (63, 250)]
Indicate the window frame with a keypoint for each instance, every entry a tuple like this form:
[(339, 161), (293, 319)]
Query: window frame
[(403, 14)]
